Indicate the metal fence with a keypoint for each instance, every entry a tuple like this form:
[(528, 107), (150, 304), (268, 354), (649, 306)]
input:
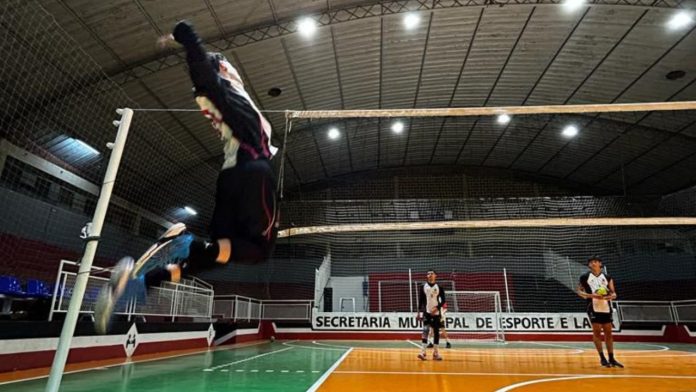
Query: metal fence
[(238, 307), (189, 298), (675, 312)]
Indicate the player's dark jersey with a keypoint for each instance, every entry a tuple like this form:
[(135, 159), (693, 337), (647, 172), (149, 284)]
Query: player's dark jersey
[(591, 283), (242, 128), (430, 296)]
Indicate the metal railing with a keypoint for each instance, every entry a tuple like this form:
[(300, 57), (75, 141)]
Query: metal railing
[(239, 307), (191, 298), (675, 312)]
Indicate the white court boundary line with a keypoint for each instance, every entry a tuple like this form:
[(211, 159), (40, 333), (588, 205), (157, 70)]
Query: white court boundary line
[(414, 343), (326, 374), (246, 359), (658, 376), (135, 361), (315, 348), (543, 380), (576, 350)]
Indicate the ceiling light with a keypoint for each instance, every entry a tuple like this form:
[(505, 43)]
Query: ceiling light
[(411, 20), (503, 118), (570, 131), (572, 5), (334, 133), (307, 26), (397, 127), (680, 20), (190, 211)]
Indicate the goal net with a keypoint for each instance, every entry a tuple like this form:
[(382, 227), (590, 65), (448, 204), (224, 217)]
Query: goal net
[(479, 311)]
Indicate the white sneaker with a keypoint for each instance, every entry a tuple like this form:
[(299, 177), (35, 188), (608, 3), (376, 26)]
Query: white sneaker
[(111, 293)]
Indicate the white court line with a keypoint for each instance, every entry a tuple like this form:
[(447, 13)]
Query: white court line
[(335, 346), (543, 380), (425, 373), (135, 361), (246, 359), (661, 348), (576, 350), (509, 352), (326, 374), (413, 343), (314, 348)]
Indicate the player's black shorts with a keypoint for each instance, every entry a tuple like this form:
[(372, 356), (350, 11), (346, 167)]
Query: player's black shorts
[(599, 318), (245, 210), (432, 321)]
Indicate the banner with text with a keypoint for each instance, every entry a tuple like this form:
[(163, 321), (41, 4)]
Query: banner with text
[(456, 322)]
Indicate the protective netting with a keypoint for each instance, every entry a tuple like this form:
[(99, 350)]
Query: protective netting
[(58, 106), (58, 109)]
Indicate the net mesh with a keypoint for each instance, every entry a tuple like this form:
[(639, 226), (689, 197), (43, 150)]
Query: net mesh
[(58, 108)]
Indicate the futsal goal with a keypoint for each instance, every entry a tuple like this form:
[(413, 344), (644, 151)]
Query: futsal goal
[(474, 316)]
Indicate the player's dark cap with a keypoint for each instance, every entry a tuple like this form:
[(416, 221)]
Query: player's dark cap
[(593, 258)]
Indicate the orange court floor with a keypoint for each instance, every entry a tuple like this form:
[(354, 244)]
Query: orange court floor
[(566, 367)]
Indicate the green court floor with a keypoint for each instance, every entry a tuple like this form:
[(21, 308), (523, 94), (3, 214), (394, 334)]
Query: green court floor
[(264, 367), (278, 366)]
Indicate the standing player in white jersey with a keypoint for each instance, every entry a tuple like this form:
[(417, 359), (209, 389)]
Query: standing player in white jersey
[(244, 222), (431, 300), (598, 289)]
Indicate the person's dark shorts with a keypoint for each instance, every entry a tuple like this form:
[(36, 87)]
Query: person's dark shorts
[(600, 318), (432, 321)]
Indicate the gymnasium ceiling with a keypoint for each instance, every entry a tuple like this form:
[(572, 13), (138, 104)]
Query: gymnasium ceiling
[(461, 54)]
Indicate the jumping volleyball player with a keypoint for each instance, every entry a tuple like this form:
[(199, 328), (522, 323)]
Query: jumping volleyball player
[(244, 224), (598, 289)]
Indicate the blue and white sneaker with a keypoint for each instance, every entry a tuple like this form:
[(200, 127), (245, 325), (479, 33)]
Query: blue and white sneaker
[(128, 276), (171, 248), (113, 291)]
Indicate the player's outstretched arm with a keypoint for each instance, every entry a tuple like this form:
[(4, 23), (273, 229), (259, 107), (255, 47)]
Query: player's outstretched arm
[(201, 71)]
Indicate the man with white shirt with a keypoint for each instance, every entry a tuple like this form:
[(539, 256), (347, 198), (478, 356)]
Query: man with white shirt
[(244, 224), (598, 289), (431, 301)]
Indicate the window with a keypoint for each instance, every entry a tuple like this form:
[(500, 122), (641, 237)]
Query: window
[(42, 187), (66, 197)]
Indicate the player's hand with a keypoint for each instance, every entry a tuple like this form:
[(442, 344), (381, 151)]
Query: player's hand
[(184, 33), (435, 311), (166, 42), (419, 316)]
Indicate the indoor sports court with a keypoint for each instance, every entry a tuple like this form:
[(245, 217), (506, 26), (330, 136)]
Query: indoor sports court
[(358, 365), (334, 195)]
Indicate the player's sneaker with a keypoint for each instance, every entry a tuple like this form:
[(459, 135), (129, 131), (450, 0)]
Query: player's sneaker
[(172, 247), (437, 357), (614, 363), (422, 357), (448, 345), (112, 292), (604, 362), (430, 345)]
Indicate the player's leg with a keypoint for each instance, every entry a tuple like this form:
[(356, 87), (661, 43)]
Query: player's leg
[(443, 334), (430, 338), (427, 321), (597, 339), (128, 276), (609, 341), (256, 223), (436, 339)]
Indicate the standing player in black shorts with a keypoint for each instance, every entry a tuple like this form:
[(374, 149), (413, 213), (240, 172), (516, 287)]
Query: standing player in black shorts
[(431, 300), (244, 224), (598, 289)]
